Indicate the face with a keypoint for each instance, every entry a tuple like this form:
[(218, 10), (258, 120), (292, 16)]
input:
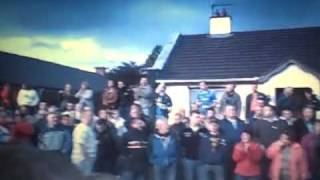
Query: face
[(195, 119), (177, 118), (110, 83), (210, 113), (42, 105), (135, 113), (162, 88), (83, 86), (163, 127), (144, 81), (258, 111), (77, 107), (52, 119), (267, 112), (284, 138), (213, 127), (103, 114), (86, 117), (245, 137), (120, 84), (66, 120), (230, 87), (287, 114), (308, 113), (67, 87), (230, 112), (203, 86), (69, 106), (288, 91), (138, 124), (115, 114)]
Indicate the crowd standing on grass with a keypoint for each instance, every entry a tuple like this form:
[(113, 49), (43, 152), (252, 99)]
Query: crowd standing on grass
[(130, 134)]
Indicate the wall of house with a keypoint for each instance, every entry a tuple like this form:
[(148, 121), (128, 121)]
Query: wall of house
[(180, 98), (292, 76)]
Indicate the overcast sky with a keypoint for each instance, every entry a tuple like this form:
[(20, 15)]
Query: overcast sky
[(89, 33)]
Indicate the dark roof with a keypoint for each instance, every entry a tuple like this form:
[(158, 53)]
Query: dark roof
[(241, 54), (17, 69)]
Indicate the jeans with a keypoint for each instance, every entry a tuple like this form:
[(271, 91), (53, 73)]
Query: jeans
[(165, 172), (205, 169), (238, 177), (131, 175), (190, 169), (86, 166)]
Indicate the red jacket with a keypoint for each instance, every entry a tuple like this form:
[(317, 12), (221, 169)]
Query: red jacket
[(247, 162), (298, 163)]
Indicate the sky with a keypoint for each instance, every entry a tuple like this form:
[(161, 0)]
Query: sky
[(89, 33)]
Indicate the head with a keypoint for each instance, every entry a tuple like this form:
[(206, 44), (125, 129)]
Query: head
[(144, 81), (194, 107), (84, 85), (211, 113), (78, 107), (287, 137), (307, 113), (68, 87), (52, 119), (230, 87), (177, 118), (66, 120), (100, 126), (115, 114), (43, 105), (137, 124), (52, 109), (268, 111), (110, 83), (258, 111), (162, 126), (288, 91), (121, 84), (195, 118), (135, 111), (230, 112), (308, 93), (213, 126), (287, 114), (103, 114), (86, 116), (70, 106), (161, 88), (203, 85), (246, 136)]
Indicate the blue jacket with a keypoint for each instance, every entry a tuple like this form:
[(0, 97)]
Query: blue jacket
[(209, 154), (161, 154), (231, 134)]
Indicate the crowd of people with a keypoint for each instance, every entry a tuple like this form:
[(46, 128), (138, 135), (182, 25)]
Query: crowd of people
[(131, 134)]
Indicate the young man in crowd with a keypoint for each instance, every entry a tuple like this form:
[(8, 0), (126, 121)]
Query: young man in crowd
[(190, 144), (230, 97), (84, 144), (247, 155), (144, 96), (231, 128), (287, 116), (211, 153), (258, 114), (163, 152), (135, 152), (163, 102), (205, 98), (125, 99), (53, 136), (255, 100), (304, 125), (66, 96), (110, 96), (29, 98), (311, 145), (85, 96), (287, 101)]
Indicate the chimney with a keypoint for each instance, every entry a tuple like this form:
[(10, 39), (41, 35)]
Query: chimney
[(101, 70), (220, 23)]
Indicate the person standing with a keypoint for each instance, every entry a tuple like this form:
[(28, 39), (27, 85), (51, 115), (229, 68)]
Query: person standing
[(144, 96), (311, 100), (253, 101), (304, 125), (287, 101), (125, 99), (110, 96), (163, 102), (84, 144), (287, 159), (163, 150), (247, 155), (205, 98), (230, 97), (66, 96), (231, 128), (85, 96), (29, 98)]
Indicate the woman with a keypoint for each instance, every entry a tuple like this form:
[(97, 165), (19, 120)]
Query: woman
[(288, 160)]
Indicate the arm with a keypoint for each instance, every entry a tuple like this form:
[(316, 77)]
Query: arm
[(87, 94), (274, 150), (239, 154)]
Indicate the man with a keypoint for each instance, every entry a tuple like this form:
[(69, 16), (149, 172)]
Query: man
[(311, 100), (231, 128), (125, 99), (53, 136), (84, 144), (311, 145), (163, 102), (253, 101), (163, 152), (287, 101), (211, 152), (29, 98), (66, 97), (134, 152), (205, 98), (230, 97), (287, 116), (145, 97), (304, 125), (110, 96), (190, 143)]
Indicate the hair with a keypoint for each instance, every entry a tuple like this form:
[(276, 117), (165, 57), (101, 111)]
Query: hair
[(248, 131), (194, 112), (271, 106), (290, 133)]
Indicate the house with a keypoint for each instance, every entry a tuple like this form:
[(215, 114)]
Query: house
[(45, 76), (273, 58)]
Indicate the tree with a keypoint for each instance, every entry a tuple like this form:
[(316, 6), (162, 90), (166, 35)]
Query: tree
[(128, 72), (153, 56)]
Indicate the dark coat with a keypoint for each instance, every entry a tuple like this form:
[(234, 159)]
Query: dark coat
[(301, 129), (261, 96)]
